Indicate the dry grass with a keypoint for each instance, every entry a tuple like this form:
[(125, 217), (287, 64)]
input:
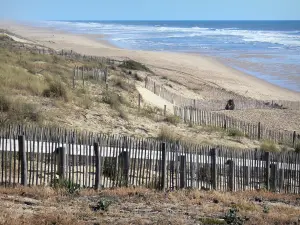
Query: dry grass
[(46, 81), (43, 205)]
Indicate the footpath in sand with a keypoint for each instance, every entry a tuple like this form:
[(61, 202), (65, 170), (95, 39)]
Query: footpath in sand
[(154, 100)]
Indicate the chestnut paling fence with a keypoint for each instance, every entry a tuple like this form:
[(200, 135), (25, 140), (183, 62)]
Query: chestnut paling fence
[(253, 131), (241, 102), (36, 156)]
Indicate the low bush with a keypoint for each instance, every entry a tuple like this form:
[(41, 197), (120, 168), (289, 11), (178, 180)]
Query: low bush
[(123, 84), (134, 65), (235, 133), (172, 119), (65, 184), (269, 146), (167, 134), (5, 103), (297, 148), (113, 99), (137, 77), (231, 217), (24, 112), (56, 89)]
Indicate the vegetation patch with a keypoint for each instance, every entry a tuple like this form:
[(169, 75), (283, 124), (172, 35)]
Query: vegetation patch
[(56, 89), (134, 65), (121, 83), (235, 133), (173, 119), (269, 146), (5, 103)]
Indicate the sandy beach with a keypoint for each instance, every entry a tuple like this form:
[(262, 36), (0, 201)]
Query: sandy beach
[(191, 70)]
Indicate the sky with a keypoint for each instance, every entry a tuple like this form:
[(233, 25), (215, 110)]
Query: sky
[(33, 10)]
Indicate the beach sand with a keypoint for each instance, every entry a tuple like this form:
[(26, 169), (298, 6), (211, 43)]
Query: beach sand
[(191, 70)]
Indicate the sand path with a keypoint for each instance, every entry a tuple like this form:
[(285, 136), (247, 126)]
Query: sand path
[(155, 100)]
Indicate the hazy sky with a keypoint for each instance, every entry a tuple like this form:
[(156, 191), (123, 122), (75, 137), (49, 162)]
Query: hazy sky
[(150, 10)]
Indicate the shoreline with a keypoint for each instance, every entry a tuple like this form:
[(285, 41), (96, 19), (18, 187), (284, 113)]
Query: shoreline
[(200, 68)]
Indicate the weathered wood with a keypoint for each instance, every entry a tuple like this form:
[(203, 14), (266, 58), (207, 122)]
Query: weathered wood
[(164, 166), (61, 151), (259, 131), (231, 175), (267, 171), (98, 166), (214, 168), (273, 177), (182, 169), (23, 159), (139, 101)]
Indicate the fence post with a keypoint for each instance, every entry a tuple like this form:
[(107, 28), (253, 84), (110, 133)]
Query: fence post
[(274, 176), (164, 166), (82, 77), (74, 77), (246, 176), (294, 139), (139, 101), (214, 168), (98, 166), (165, 110), (124, 166), (23, 158), (281, 178), (182, 170), (62, 162), (267, 174), (258, 131), (231, 175)]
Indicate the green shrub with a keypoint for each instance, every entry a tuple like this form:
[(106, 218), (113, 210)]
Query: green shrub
[(137, 77), (297, 148), (269, 146), (68, 185), (113, 99), (123, 84), (5, 103), (56, 89), (235, 133), (231, 217), (123, 114), (134, 65), (172, 119), (4, 37), (167, 134), (24, 112)]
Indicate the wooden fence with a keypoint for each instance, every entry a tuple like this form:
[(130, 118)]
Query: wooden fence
[(253, 131), (68, 54), (83, 74), (34, 156), (216, 105)]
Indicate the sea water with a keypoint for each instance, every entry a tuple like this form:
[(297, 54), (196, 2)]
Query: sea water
[(269, 50)]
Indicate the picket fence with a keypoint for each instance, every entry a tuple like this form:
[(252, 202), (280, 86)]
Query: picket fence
[(253, 131), (37, 156), (68, 54), (241, 103)]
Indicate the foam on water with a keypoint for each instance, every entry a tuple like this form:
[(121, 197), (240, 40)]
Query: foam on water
[(219, 38)]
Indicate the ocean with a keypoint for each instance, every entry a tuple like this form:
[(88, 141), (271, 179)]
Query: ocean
[(269, 50)]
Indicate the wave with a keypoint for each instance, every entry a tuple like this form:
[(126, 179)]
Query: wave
[(127, 31)]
